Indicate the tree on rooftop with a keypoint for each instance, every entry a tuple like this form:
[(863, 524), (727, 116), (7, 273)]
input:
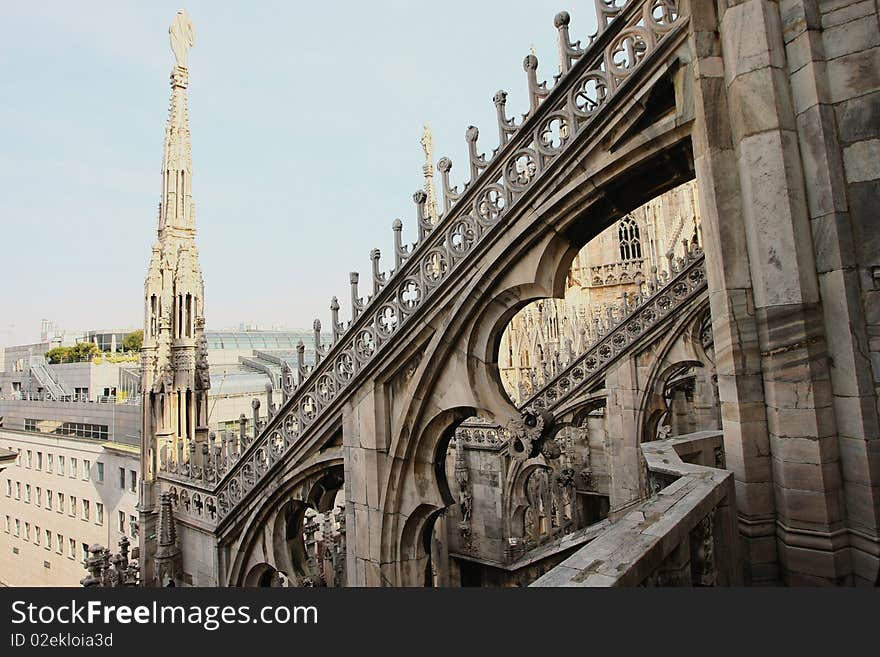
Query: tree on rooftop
[(133, 341)]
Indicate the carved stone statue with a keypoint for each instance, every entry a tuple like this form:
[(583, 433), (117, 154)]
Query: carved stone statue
[(182, 37)]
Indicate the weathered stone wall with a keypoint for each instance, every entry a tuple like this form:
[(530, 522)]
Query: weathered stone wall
[(782, 147)]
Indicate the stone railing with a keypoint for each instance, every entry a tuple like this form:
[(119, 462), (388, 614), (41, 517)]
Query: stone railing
[(661, 298), (617, 273), (685, 534), (589, 77), (658, 299)]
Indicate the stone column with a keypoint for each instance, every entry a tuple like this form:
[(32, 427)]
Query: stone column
[(624, 435), (737, 353), (758, 144), (832, 59), (365, 452)]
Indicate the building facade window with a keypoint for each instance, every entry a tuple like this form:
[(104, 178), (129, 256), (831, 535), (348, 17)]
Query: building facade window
[(29, 458), (122, 478), (629, 238), (133, 526), (39, 460), (49, 499), (48, 541), (87, 467), (73, 506), (120, 522), (48, 462), (73, 466), (8, 488), (27, 493), (99, 472), (38, 498), (30, 424), (132, 481), (71, 548), (60, 465), (37, 532), (99, 513), (8, 523), (60, 502), (59, 543), (84, 430)]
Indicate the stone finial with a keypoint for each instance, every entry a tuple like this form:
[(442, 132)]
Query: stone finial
[(205, 461), (316, 339), (450, 194), (477, 161), (255, 405), (93, 565), (270, 406), (401, 252), (537, 92), (506, 126), (356, 303), (242, 430), (300, 361), (378, 276), (167, 530), (338, 329), (568, 51), (420, 198)]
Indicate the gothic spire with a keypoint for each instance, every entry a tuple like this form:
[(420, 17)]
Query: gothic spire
[(427, 142), (177, 210)]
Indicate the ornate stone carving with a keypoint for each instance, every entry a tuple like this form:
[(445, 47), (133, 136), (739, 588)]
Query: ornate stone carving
[(702, 539), (497, 182)]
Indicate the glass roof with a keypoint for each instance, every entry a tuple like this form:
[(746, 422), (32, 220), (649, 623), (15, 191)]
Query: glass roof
[(286, 340)]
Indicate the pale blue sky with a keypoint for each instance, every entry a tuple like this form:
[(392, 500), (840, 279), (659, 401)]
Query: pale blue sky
[(305, 122)]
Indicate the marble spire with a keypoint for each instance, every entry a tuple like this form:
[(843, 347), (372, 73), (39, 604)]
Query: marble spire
[(427, 142)]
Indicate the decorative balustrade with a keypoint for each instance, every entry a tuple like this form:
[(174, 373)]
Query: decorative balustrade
[(660, 297), (590, 76), (617, 273), (481, 434), (685, 534)]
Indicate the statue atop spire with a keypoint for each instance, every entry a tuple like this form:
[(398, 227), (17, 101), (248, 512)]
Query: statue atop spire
[(183, 37), (175, 377), (427, 142)]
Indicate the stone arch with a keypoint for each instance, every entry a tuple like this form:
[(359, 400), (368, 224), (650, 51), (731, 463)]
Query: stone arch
[(515, 493), (260, 575), (678, 352), (462, 343), (261, 536), (540, 276), (424, 487), (415, 550)]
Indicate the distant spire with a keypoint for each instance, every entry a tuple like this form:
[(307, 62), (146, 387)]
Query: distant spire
[(177, 209), (427, 142)]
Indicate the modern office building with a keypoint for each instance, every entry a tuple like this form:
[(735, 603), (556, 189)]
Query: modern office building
[(62, 494)]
